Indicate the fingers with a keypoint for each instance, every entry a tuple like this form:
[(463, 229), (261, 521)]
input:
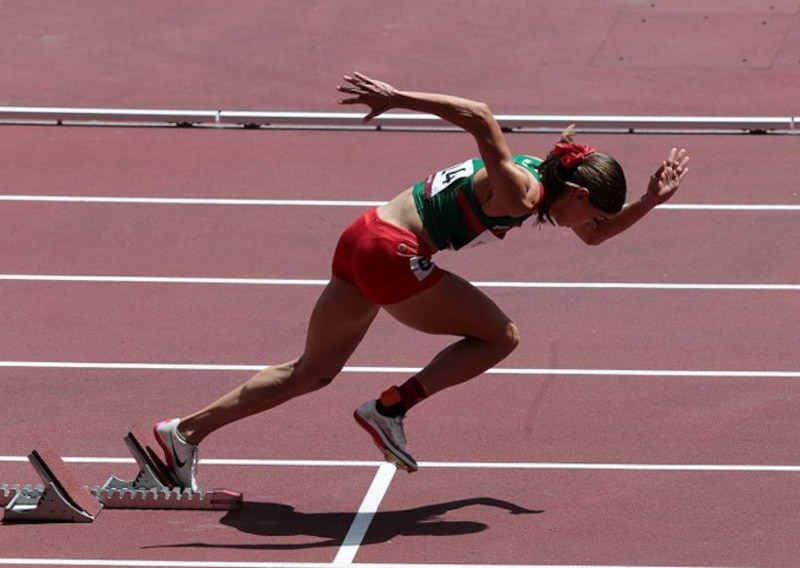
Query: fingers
[(350, 90), (355, 89), (677, 162), (358, 80), (677, 159), (375, 94), (667, 178)]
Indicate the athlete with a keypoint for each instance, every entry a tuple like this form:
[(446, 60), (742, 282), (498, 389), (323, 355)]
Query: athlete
[(384, 261)]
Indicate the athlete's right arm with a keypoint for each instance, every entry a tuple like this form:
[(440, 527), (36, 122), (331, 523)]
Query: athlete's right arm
[(509, 183)]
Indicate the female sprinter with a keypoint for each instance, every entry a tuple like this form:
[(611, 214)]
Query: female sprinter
[(383, 261)]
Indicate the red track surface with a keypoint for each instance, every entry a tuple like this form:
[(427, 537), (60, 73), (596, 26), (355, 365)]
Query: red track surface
[(738, 58)]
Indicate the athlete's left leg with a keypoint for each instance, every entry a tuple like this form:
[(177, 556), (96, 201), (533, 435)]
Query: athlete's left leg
[(451, 306), (455, 307)]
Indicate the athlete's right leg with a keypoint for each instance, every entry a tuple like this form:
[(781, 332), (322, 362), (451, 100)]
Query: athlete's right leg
[(339, 321)]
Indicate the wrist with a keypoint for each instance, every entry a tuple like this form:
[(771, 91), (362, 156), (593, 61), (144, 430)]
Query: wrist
[(392, 96), (648, 200)]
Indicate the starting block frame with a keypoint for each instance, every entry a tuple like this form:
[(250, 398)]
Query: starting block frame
[(62, 498)]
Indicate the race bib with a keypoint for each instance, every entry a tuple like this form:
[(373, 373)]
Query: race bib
[(443, 179), (421, 267)]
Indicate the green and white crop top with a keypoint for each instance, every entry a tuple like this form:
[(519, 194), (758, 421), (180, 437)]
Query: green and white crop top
[(450, 212)]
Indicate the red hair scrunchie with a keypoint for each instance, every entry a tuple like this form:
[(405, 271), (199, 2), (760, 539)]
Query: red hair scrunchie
[(572, 155)]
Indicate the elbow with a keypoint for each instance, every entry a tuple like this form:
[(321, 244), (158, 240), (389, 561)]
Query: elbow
[(479, 120), (591, 238), (484, 114), (595, 240), (592, 234), (480, 113)]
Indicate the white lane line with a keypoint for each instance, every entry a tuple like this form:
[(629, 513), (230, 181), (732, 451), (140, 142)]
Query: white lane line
[(144, 200), (218, 564), (728, 207), (161, 280), (385, 475), (160, 563), (122, 279), (386, 369), (366, 512), (189, 201)]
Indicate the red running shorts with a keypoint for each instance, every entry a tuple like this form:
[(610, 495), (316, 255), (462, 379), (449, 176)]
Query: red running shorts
[(387, 263)]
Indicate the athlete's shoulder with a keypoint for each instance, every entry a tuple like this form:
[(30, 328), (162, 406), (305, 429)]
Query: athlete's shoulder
[(527, 160)]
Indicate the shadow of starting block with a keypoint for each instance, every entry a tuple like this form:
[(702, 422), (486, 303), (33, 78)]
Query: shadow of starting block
[(154, 488), (62, 498)]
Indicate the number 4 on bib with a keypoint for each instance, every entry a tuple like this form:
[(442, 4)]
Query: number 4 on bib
[(443, 179)]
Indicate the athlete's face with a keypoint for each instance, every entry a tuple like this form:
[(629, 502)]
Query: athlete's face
[(573, 209)]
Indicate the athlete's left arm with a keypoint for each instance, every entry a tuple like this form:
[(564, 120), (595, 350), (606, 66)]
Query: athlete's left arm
[(510, 185), (663, 185)]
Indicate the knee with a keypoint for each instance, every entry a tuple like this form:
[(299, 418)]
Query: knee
[(309, 376), (507, 338)]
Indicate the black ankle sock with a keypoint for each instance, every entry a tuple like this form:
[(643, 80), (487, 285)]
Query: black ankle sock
[(392, 411)]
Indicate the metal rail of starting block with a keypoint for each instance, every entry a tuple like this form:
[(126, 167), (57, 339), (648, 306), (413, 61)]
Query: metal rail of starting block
[(62, 498), (8, 492)]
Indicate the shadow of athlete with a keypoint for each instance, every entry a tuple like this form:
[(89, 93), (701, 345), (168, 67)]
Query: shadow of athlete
[(275, 519)]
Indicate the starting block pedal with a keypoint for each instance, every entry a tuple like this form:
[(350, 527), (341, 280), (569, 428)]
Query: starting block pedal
[(153, 473), (153, 487), (62, 498)]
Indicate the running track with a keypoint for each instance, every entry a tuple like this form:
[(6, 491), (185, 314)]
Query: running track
[(649, 417)]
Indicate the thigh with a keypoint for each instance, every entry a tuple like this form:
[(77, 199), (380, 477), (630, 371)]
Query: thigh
[(339, 321), (453, 307)]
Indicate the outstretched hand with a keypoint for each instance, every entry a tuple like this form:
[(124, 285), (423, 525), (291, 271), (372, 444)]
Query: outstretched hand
[(377, 95), (667, 178)]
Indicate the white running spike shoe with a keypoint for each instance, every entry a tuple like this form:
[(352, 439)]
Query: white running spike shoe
[(181, 456), (388, 435)]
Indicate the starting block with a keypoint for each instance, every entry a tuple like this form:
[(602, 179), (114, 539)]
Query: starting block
[(153, 488), (62, 498)]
